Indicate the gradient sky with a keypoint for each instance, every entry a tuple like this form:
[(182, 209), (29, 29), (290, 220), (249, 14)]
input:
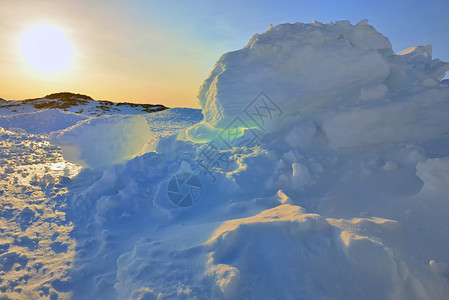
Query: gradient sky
[(161, 51)]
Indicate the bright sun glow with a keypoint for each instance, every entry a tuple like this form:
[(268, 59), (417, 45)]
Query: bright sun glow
[(47, 49)]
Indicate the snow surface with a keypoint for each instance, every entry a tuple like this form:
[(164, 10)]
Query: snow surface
[(42, 121), (320, 171)]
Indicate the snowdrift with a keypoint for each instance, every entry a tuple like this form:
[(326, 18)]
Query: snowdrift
[(289, 252), (314, 174)]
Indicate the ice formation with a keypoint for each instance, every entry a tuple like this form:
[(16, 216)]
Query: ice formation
[(326, 200), (104, 141), (308, 68)]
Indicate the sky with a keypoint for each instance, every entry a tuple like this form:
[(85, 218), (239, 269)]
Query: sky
[(160, 52)]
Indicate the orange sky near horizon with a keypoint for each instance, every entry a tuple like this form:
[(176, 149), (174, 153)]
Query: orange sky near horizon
[(117, 58)]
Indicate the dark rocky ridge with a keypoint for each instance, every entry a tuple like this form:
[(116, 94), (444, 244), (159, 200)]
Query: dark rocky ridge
[(71, 102)]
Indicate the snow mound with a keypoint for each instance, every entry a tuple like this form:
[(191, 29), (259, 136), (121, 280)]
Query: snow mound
[(306, 68), (102, 142), (44, 121), (267, 255)]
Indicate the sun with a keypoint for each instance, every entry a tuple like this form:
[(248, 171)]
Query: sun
[(46, 49)]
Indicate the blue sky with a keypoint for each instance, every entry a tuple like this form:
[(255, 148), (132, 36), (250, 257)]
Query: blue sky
[(161, 51), (231, 23)]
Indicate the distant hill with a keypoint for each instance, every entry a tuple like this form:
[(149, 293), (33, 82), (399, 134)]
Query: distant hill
[(76, 103)]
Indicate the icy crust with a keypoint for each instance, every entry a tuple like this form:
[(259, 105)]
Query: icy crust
[(305, 68), (43, 121), (102, 142), (35, 244)]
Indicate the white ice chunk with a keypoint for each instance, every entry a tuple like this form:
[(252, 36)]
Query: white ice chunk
[(301, 135), (417, 54), (407, 118), (101, 142), (434, 172), (300, 175), (300, 67)]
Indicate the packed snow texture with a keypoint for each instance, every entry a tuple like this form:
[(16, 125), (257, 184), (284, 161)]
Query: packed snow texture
[(36, 249), (321, 172), (306, 245)]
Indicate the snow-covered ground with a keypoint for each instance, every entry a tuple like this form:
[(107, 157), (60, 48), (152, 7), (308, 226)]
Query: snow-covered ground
[(320, 171)]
